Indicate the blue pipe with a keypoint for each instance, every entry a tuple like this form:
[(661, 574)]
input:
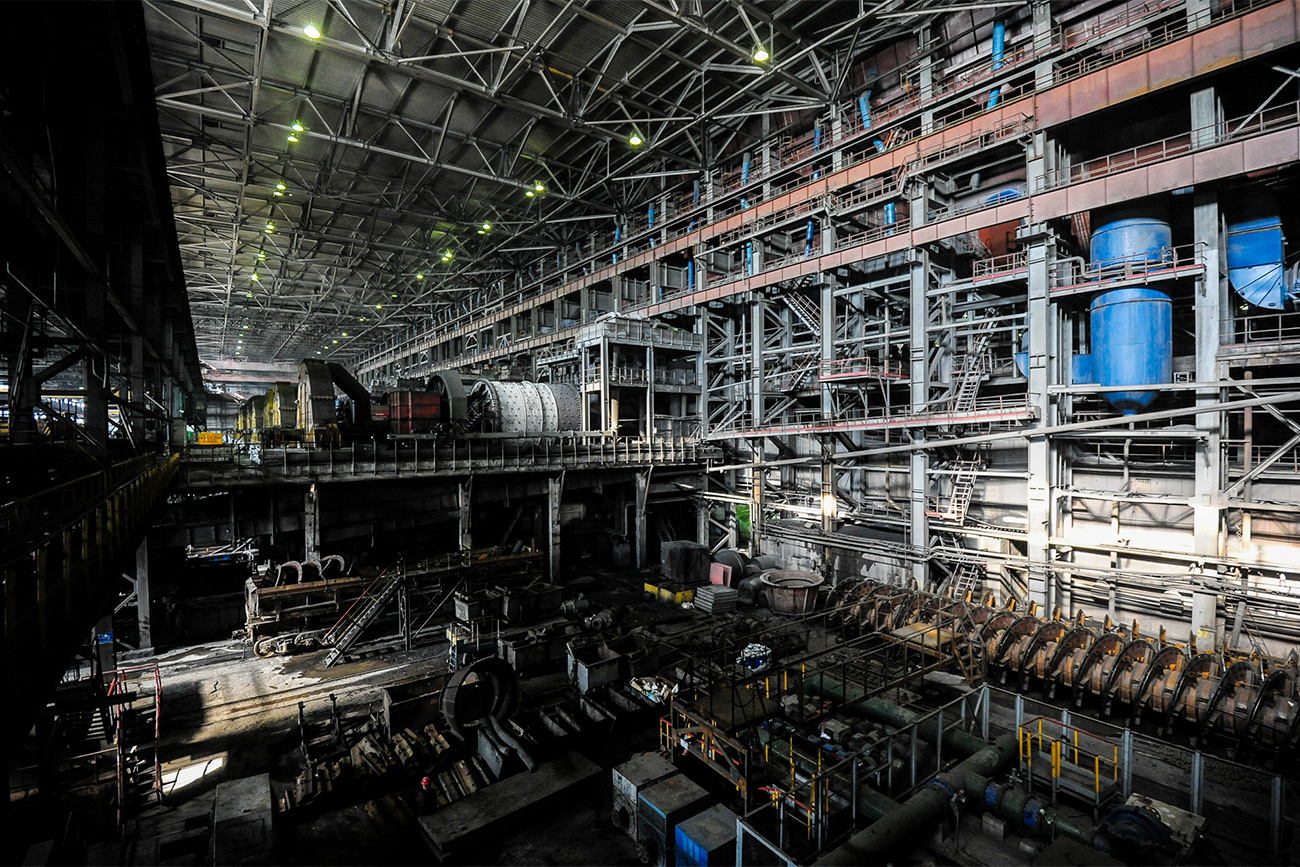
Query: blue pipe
[(890, 216), (999, 52), (690, 275), (651, 222), (817, 146), (749, 259), (808, 240), (618, 233), (864, 108), (744, 169)]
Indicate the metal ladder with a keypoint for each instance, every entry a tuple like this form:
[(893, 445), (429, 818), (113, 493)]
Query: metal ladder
[(360, 614)]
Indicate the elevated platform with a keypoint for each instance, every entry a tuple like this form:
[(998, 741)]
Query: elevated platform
[(232, 467)]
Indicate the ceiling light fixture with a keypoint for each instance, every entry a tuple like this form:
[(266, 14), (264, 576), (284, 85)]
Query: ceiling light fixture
[(281, 186), (270, 228), (297, 126), (261, 255), (539, 186), (255, 277), (760, 54), (312, 31), (419, 275), (291, 138), (530, 194), (635, 139)]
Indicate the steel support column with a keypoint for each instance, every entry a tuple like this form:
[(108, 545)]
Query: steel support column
[(310, 524), (642, 525), (465, 501), (142, 595), (554, 495)]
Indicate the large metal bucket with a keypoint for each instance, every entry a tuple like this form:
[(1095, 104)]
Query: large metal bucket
[(790, 591)]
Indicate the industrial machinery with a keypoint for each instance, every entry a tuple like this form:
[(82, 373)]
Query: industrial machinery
[(1250, 699), (446, 408)]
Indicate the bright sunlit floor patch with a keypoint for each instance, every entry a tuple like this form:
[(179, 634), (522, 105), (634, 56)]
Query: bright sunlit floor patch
[(179, 778)]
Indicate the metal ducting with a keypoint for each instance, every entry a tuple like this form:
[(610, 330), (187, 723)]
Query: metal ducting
[(529, 407)]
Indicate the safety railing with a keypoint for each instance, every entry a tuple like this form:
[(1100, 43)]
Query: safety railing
[(1170, 261), (1261, 122), (1263, 328), (421, 458), (1078, 761), (999, 266), (126, 688), (861, 367), (986, 411)]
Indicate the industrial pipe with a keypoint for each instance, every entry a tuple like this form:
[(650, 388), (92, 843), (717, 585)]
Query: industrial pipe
[(999, 49), (878, 710), (924, 808)]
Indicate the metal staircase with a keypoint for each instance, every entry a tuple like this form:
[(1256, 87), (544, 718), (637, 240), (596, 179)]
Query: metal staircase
[(971, 370), (664, 529), (361, 614), (965, 471), (966, 578), (808, 312), (136, 696)]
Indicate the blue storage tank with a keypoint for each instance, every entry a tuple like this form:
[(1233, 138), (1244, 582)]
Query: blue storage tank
[(1132, 328), (1131, 239), (1132, 343)]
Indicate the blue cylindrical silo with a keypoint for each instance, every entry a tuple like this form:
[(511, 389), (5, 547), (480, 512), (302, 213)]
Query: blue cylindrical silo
[(1132, 328), (1132, 343), (1131, 239)]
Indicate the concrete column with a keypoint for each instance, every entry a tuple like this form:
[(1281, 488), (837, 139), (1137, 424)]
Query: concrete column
[(641, 529), (1043, 75), (465, 500), (1198, 13), (919, 524), (1043, 353), (554, 495), (649, 394), (310, 525), (927, 79), (142, 595), (828, 336)]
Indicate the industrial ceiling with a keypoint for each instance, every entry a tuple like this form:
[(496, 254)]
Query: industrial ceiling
[(340, 169)]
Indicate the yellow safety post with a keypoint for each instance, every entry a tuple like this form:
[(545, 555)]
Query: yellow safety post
[(1076, 747), (1096, 773), (1115, 764)]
